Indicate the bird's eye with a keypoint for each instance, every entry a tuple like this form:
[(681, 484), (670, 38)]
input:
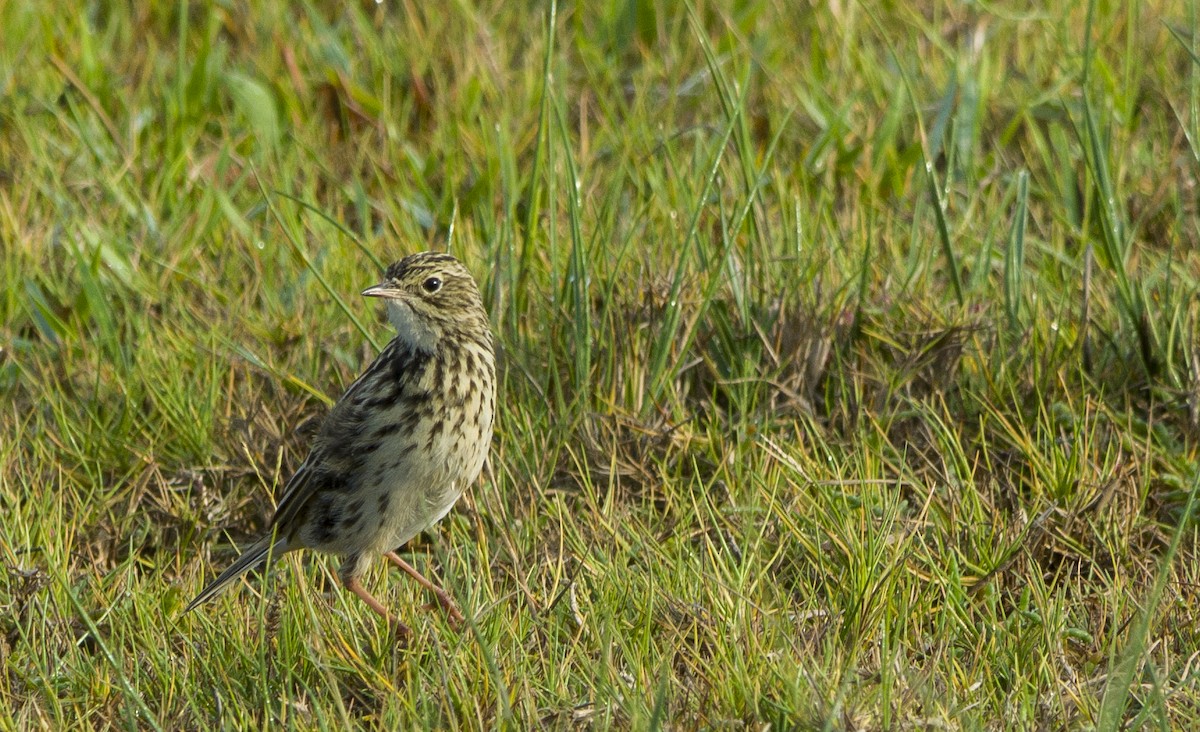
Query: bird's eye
[(432, 285)]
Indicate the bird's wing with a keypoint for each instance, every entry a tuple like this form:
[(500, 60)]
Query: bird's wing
[(307, 479), (334, 450)]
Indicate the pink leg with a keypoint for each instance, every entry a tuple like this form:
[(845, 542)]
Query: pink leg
[(400, 628), (443, 597)]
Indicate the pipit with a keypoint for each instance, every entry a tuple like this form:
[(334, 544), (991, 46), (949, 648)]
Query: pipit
[(403, 442)]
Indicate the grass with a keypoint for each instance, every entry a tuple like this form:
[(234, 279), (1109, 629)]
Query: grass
[(849, 360)]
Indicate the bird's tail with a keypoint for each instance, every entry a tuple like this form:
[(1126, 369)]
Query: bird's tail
[(251, 558)]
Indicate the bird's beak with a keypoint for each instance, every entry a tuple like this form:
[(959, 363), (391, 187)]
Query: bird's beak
[(382, 290)]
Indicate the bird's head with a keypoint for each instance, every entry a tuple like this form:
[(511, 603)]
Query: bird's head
[(428, 296)]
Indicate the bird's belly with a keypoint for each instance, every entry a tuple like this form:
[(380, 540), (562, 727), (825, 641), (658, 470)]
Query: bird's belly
[(405, 483), (408, 507)]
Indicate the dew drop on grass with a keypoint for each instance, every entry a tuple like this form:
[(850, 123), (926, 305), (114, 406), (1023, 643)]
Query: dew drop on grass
[(260, 244)]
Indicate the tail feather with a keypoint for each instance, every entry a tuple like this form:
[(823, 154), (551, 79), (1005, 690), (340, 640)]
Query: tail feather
[(251, 558)]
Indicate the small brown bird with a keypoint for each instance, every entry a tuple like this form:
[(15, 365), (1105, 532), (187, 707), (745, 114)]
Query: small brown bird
[(404, 441)]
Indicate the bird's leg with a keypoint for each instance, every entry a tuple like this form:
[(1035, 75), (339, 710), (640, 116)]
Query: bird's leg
[(443, 597), (401, 630)]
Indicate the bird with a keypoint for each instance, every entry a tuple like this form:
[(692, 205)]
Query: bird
[(397, 450)]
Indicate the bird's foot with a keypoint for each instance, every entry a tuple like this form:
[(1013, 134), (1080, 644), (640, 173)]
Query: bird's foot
[(443, 597)]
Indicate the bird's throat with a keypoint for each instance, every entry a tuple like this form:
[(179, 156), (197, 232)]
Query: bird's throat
[(410, 328)]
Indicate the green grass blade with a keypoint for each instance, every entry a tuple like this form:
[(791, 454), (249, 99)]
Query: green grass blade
[(1014, 255)]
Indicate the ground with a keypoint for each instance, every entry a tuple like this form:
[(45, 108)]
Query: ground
[(848, 357)]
